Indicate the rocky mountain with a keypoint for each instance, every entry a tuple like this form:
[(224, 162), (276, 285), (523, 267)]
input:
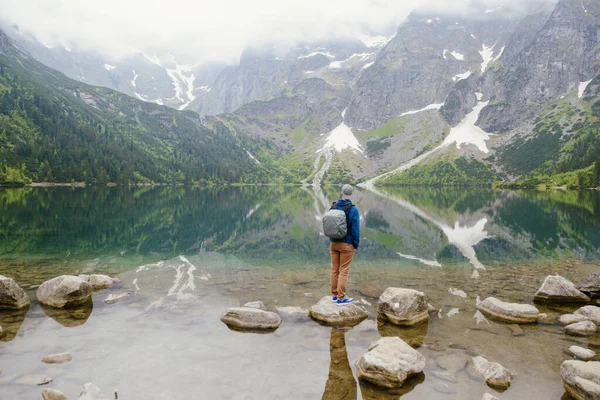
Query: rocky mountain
[(159, 78), (496, 94)]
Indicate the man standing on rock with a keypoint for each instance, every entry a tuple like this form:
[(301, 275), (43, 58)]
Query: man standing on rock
[(342, 250)]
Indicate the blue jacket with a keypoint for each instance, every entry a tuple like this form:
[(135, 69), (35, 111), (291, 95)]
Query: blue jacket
[(353, 221)]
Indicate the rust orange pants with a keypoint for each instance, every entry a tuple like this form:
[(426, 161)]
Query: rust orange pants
[(341, 257)]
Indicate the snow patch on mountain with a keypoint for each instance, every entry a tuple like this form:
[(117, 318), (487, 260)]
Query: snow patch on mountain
[(583, 86), (109, 67), (466, 132), (367, 65), (435, 106), (327, 54), (362, 56), (487, 54), (454, 54), (135, 76), (341, 138), (491, 10), (459, 77), (375, 41)]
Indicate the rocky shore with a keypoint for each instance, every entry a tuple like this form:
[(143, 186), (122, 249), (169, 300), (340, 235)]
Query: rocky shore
[(404, 316)]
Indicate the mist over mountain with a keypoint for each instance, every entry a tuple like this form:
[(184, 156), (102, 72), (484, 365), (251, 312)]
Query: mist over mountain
[(471, 94)]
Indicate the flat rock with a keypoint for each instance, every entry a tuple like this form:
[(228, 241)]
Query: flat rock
[(404, 306), (246, 318), (12, 296), (495, 375), (443, 387), (591, 287), (581, 379), (293, 313), (100, 282), (60, 358), (329, 313), (53, 394), (508, 312), (585, 328), (91, 392), (389, 361), (581, 353), (64, 291), (591, 313), (256, 304), (555, 288), (445, 376), (568, 319)]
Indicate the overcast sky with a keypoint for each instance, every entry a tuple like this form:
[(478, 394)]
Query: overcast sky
[(209, 30)]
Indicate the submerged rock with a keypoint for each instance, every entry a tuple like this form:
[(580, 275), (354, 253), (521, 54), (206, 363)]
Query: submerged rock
[(100, 282), (495, 375), (581, 353), (113, 298), (70, 317), (34, 380), (508, 312), (53, 394), (591, 313), (246, 318), (487, 396), (389, 361), (555, 288), (404, 306), (256, 304), (591, 287), (11, 321), (60, 358), (64, 291), (293, 313), (453, 363), (92, 392), (329, 313), (581, 379), (568, 319), (585, 328), (545, 319), (12, 296)]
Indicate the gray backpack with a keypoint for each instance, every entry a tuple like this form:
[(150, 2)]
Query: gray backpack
[(334, 222)]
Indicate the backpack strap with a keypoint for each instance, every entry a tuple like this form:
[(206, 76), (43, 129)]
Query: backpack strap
[(333, 205)]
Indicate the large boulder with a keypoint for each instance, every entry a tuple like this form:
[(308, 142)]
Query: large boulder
[(555, 288), (404, 306), (64, 291), (581, 379), (508, 312), (581, 353), (590, 313), (568, 319), (252, 319), (12, 296), (495, 375), (585, 328), (330, 314), (389, 361), (591, 287)]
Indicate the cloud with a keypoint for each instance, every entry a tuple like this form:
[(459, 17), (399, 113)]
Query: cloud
[(201, 30)]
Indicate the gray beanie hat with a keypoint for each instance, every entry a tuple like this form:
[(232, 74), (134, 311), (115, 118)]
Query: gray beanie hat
[(347, 190)]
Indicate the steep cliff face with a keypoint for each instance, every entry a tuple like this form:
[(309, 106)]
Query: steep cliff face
[(269, 72), (420, 66), (538, 68)]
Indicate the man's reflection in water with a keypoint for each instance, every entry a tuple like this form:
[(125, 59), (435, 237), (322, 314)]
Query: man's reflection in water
[(341, 383)]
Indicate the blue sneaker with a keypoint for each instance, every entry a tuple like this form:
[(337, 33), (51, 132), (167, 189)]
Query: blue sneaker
[(334, 299), (347, 300)]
